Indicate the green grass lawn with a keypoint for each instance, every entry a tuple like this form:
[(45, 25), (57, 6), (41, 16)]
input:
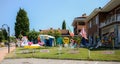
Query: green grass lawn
[(66, 53)]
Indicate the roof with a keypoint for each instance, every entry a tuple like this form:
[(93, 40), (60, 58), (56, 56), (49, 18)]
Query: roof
[(79, 19), (63, 32), (108, 7), (95, 12)]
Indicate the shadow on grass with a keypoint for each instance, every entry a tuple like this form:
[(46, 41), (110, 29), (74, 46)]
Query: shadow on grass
[(59, 53), (103, 48)]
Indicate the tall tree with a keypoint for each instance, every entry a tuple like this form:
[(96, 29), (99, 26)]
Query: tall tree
[(22, 23), (64, 25)]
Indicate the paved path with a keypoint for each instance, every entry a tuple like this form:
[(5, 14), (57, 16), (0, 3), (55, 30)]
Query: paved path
[(2, 48), (4, 51), (51, 61)]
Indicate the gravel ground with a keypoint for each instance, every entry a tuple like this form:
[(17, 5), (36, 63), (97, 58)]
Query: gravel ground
[(51, 61)]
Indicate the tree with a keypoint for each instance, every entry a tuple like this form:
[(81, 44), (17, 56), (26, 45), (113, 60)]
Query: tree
[(5, 34), (1, 36), (51, 33), (64, 25), (13, 39), (22, 23), (33, 35), (57, 34)]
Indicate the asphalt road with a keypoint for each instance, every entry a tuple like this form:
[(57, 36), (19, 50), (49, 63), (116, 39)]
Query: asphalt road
[(51, 61)]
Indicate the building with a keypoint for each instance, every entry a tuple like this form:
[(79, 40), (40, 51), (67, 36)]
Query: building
[(105, 23), (79, 23)]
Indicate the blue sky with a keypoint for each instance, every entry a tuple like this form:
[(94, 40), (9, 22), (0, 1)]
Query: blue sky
[(44, 14)]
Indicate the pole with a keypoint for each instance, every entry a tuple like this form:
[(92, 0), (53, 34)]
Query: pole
[(88, 54), (8, 36), (8, 39)]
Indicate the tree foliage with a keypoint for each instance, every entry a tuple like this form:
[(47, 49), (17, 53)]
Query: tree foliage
[(1, 36), (57, 34), (33, 35), (22, 23), (64, 25), (51, 33), (5, 34), (54, 33), (13, 39), (78, 39)]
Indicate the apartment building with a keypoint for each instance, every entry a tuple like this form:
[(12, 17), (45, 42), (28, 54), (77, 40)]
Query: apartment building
[(105, 23), (79, 23)]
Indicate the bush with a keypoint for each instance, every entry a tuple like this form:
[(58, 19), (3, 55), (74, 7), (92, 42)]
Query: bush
[(2, 44)]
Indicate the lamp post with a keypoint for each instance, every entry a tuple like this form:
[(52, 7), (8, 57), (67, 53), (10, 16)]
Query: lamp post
[(8, 32)]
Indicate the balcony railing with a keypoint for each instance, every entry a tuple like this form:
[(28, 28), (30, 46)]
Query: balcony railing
[(118, 17), (114, 18)]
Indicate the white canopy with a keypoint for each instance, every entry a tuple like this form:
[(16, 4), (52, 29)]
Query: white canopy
[(47, 36)]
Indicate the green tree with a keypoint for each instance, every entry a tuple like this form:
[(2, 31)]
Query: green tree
[(1, 36), (57, 34), (33, 35), (78, 40), (51, 33), (20, 36), (22, 23), (64, 25), (13, 39), (5, 34)]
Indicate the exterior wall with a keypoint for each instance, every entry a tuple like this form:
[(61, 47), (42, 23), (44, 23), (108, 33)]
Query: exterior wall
[(119, 34), (93, 29), (110, 24), (105, 23), (77, 27)]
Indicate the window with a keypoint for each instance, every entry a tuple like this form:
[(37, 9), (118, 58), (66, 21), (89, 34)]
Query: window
[(113, 18), (81, 23), (79, 30), (118, 14), (108, 18), (97, 19), (118, 17), (90, 24)]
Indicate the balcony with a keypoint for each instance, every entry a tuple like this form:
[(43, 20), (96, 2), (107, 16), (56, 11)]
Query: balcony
[(118, 17), (110, 20)]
